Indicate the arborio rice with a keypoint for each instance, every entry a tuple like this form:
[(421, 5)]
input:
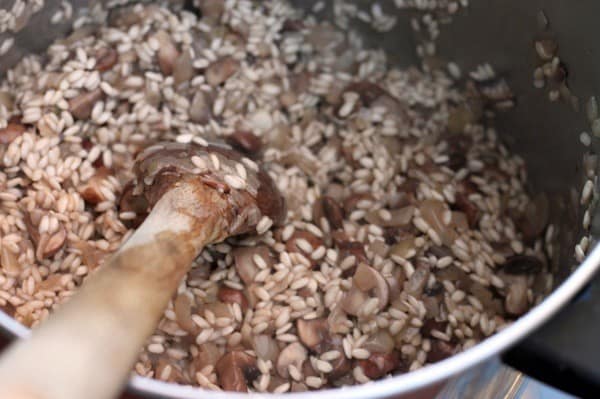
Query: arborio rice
[(409, 234)]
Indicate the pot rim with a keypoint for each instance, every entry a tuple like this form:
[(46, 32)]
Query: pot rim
[(394, 385)]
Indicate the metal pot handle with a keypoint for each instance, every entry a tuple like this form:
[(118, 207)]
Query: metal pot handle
[(565, 352)]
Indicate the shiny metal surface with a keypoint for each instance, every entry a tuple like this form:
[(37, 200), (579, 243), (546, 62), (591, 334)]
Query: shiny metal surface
[(500, 32), (491, 380)]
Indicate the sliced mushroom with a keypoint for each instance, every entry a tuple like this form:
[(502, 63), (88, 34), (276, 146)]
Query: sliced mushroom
[(235, 370), (317, 212), (245, 141), (379, 247), (417, 282), (183, 70), (276, 381), (292, 25), (55, 282), (407, 194), (208, 354), (306, 161), (432, 302), (298, 241), (221, 70), (367, 283), (295, 353), (368, 91), (452, 273), (337, 321), (368, 279), (211, 9), (44, 126), (200, 108), (9, 263), (439, 251), (394, 109), (279, 137), (341, 365), (405, 248), (396, 282), (380, 342), (297, 387), (470, 210), (333, 212), (91, 192), (230, 295), (353, 300), (219, 309), (46, 244), (440, 350), (244, 263), (380, 364), (351, 202), (398, 217), (106, 58), (54, 243), (288, 98), (167, 52), (461, 221), (309, 371), (336, 191), (432, 211), (7, 99), (312, 332), (351, 248), (325, 37), (32, 221), (430, 325), (265, 347), (81, 105), (516, 302), (460, 117), (484, 295), (11, 132), (237, 35), (250, 294), (123, 17)]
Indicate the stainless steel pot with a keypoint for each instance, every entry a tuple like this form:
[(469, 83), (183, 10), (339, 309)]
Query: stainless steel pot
[(545, 133)]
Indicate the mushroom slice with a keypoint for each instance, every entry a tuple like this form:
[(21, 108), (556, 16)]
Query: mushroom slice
[(293, 354), (312, 332), (265, 347), (370, 281), (244, 261), (380, 364), (235, 370)]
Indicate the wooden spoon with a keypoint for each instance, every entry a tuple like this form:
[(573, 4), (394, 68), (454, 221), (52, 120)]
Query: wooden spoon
[(199, 195)]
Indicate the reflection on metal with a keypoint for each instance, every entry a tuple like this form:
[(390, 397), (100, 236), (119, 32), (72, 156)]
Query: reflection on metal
[(491, 380)]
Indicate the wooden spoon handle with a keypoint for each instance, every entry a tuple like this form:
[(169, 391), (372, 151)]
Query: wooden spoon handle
[(87, 348)]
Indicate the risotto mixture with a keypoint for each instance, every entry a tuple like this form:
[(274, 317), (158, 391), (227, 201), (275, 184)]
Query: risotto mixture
[(409, 234)]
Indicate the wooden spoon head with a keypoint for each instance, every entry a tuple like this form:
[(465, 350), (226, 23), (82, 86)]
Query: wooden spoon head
[(212, 173)]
